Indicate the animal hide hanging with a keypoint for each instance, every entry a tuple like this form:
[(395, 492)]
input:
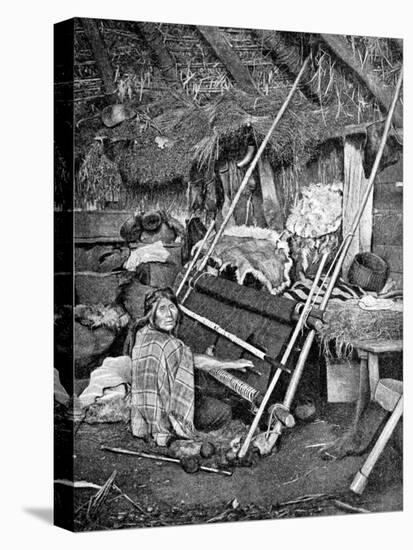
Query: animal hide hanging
[(256, 251)]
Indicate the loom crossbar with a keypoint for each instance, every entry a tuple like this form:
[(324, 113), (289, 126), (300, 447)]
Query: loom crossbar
[(241, 388), (262, 303)]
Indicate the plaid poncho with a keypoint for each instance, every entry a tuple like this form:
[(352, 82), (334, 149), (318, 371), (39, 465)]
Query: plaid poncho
[(162, 386)]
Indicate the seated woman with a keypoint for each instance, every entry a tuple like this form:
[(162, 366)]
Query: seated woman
[(163, 403)]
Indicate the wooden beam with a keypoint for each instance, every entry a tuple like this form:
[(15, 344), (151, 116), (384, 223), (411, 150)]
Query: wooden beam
[(100, 53), (289, 57), (163, 59), (364, 72), (354, 129), (229, 58)]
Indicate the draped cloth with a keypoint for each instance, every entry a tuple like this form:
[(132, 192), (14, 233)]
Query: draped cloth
[(355, 185), (163, 391)]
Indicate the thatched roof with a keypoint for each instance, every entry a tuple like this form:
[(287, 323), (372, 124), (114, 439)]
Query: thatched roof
[(199, 109)]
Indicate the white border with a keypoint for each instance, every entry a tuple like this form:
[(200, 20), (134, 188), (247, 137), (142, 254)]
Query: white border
[(26, 221)]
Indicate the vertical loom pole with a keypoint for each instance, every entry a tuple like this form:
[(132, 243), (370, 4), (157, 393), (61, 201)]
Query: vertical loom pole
[(367, 192), (252, 165), (195, 258), (295, 379)]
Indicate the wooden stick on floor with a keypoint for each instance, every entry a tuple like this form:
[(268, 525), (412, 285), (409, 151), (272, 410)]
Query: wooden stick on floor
[(360, 479)]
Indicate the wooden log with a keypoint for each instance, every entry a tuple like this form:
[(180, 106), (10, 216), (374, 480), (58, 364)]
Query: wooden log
[(100, 53), (364, 72), (388, 228), (100, 225), (162, 57), (230, 59)]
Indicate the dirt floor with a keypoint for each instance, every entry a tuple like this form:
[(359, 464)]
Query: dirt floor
[(293, 481)]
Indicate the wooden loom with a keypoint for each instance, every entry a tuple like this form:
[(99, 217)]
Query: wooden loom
[(261, 321), (304, 315)]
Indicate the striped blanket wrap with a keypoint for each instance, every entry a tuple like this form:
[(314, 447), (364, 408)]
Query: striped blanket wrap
[(162, 386), (341, 291)]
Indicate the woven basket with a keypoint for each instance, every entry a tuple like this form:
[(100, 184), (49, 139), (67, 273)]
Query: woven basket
[(368, 271)]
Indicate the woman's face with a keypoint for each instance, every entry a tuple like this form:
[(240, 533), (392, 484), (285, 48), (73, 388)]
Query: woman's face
[(166, 315)]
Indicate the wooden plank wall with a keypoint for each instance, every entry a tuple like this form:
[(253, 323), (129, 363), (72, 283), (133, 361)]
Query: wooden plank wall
[(100, 225), (387, 240)]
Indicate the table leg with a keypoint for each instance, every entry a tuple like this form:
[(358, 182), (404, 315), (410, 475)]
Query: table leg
[(350, 443), (373, 364), (360, 480), (364, 395)]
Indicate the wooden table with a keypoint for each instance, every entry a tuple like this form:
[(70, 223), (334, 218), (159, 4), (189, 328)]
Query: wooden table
[(369, 352)]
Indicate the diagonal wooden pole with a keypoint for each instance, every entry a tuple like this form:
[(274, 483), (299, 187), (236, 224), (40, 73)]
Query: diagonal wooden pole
[(232, 337), (295, 379), (195, 258), (252, 166), (284, 359)]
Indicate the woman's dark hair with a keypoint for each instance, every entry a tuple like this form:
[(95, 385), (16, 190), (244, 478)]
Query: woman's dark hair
[(154, 296), (149, 309)]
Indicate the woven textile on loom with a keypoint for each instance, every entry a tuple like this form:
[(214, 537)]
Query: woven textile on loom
[(243, 311), (256, 251)]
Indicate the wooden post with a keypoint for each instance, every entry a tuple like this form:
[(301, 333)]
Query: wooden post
[(229, 58), (100, 53)]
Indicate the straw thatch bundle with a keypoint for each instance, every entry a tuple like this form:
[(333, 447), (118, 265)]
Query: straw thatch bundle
[(346, 322), (213, 118), (193, 135)]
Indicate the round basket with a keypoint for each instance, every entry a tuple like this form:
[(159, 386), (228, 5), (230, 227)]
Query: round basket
[(368, 271)]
